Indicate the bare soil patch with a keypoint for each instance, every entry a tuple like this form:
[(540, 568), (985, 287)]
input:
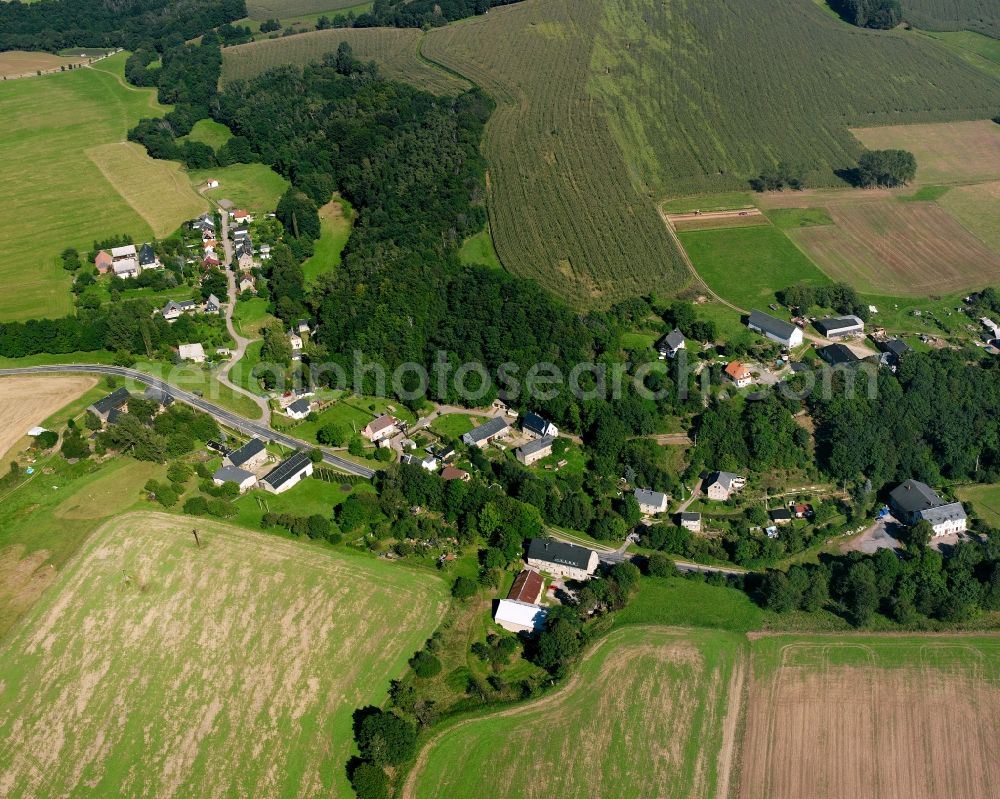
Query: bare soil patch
[(22, 580), (27, 401)]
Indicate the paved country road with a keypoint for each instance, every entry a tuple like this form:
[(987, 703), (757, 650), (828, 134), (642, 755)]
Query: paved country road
[(221, 415)]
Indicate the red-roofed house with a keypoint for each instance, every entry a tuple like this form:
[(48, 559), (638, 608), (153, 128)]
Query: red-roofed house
[(451, 473), (739, 374), (527, 587), (103, 261)]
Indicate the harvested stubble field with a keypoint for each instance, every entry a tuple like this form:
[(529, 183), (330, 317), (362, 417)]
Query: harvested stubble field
[(20, 63), (563, 208), (913, 717), (395, 50), (883, 246), (648, 713), (152, 668), (28, 401)]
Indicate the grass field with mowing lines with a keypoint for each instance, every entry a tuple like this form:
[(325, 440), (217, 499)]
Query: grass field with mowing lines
[(261, 648), (255, 187), (280, 9), (563, 210), (62, 199), (395, 50), (159, 191), (956, 152), (747, 265), (977, 208), (985, 499), (643, 715), (336, 220), (686, 81), (982, 52), (954, 15), (861, 715)]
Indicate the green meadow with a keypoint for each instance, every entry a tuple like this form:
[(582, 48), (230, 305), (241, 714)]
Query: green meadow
[(61, 172)]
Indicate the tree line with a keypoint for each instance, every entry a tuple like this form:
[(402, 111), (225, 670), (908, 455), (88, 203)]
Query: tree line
[(881, 14), (57, 24)]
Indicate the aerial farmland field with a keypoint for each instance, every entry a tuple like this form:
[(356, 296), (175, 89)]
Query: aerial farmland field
[(647, 714), (64, 198), (395, 50), (226, 670), (891, 716), (563, 207)]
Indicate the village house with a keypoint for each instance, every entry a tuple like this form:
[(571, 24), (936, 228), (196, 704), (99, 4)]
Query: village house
[(103, 262), (385, 426), (110, 406), (210, 261), (247, 283), (993, 330), (124, 253), (527, 587), (212, 305), (722, 485), (495, 428), (232, 474), (914, 501), (428, 463), (837, 355), (670, 344), (535, 426), (534, 450), (211, 183), (147, 257), (561, 559), (894, 350), (298, 409), (295, 340), (191, 352), (835, 327), (450, 473), (245, 262), (205, 223), (784, 333), (251, 455), (520, 617), (801, 510), (172, 310), (738, 374), (159, 396), (690, 521), (287, 474), (651, 502), (124, 262), (240, 217), (265, 252), (780, 515)]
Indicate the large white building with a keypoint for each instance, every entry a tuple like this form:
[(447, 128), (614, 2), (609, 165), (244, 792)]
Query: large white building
[(561, 559), (288, 473), (785, 333), (914, 501)]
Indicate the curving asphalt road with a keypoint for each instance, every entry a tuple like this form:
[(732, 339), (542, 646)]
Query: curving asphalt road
[(221, 415)]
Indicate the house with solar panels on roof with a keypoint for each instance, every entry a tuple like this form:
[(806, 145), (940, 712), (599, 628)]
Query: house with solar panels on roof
[(288, 473)]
